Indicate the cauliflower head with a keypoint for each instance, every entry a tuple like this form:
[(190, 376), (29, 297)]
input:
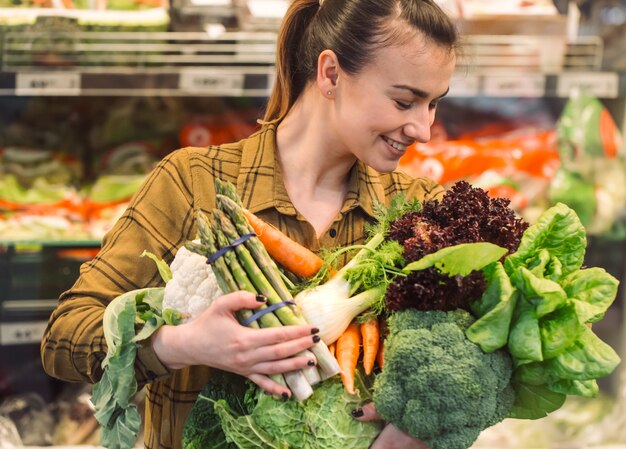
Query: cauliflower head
[(193, 286), (436, 384)]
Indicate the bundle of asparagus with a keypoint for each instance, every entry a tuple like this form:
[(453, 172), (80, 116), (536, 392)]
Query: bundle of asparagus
[(241, 262)]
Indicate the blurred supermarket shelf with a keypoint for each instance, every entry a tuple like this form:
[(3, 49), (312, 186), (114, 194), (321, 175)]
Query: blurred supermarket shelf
[(241, 63)]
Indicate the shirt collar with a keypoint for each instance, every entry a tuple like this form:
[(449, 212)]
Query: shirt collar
[(260, 181)]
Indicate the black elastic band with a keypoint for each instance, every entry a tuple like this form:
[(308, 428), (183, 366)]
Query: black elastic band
[(269, 309), (213, 257)]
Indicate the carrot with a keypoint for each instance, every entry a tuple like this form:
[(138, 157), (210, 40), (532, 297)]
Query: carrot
[(331, 348), (348, 350), (370, 331), (383, 330), (380, 356), (286, 252)]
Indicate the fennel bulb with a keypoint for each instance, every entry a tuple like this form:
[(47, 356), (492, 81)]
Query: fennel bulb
[(330, 308)]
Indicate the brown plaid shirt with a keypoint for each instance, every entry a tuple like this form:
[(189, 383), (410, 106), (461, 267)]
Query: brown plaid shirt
[(160, 219)]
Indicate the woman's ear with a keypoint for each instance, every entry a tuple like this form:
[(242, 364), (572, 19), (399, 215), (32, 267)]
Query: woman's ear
[(327, 73)]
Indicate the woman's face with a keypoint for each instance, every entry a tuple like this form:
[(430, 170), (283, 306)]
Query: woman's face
[(391, 103)]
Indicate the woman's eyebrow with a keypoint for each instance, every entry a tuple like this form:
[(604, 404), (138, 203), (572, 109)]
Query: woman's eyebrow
[(418, 92)]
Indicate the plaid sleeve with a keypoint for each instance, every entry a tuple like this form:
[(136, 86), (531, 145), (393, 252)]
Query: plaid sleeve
[(159, 219)]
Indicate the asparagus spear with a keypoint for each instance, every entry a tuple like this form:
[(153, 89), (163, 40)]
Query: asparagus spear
[(252, 269), (224, 277), (227, 189), (254, 245), (234, 268), (288, 315), (297, 382)]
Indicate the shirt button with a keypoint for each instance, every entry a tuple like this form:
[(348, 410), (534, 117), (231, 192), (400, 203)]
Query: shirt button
[(332, 232)]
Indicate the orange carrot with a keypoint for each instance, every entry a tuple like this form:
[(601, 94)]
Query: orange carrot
[(380, 356), (331, 348), (370, 331), (288, 253), (348, 349), (384, 330)]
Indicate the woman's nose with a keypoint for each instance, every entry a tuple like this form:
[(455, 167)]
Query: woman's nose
[(418, 126)]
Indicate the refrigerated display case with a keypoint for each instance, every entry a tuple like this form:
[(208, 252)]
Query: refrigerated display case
[(132, 97)]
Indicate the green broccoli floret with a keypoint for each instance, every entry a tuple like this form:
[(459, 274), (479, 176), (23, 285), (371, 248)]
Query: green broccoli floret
[(436, 384), (203, 429)]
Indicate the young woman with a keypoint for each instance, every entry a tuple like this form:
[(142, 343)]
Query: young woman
[(357, 82)]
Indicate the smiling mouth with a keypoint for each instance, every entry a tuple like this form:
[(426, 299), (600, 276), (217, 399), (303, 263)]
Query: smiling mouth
[(397, 145)]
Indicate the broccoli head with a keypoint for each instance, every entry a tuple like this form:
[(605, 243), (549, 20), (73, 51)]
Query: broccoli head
[(436, 384)]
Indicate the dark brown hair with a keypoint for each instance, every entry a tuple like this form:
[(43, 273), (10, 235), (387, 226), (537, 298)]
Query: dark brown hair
[(353, 29)]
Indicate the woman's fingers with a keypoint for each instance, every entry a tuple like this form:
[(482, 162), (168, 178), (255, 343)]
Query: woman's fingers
[(284, 365), (393, 438), (232, 302), (366, 413), (281, 350), (275, 335), (228, 345), (269, 386)]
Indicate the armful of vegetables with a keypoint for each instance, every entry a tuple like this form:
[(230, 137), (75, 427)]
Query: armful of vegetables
[(238, 261), (525, 304)]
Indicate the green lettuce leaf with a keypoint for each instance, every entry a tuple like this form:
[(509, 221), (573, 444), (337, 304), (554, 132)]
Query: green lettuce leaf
[(545, 295), (164, 269), (534, 401), (592, 290), (587, 358), (495, 309), (551, 300), (244, 432), (525, 337), (559, 330), (535, 373), (287, 422), (112, 395), (459, 259), (584, 388), (544, 265), (203, 428), (559, 231), (321, 422)]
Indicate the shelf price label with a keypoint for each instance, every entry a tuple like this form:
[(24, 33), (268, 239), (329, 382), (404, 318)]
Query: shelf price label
[(520, 85), (213, 82), (26, 332), (47, 83), (602, 85)]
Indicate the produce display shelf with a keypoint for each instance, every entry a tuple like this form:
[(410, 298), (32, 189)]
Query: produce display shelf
[(55, 243), (241, 63)]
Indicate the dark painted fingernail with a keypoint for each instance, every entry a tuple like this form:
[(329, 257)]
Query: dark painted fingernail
[(311, 363), (315, 330), (316, 338), (357, 412), (285, 395), (261, 298)]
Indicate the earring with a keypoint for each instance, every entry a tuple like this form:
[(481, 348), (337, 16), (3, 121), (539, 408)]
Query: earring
[(330, 92)]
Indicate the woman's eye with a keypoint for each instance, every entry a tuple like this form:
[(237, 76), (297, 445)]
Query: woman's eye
[(402, 105)]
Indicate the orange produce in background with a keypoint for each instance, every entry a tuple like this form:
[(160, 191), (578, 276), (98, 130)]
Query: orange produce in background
[(532, 153)]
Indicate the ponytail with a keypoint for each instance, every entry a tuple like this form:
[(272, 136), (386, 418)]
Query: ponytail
[(353, 29), (284, 93)]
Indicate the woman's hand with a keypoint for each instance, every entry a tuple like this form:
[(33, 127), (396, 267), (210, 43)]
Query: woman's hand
[(218, 340), (391, 437)]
